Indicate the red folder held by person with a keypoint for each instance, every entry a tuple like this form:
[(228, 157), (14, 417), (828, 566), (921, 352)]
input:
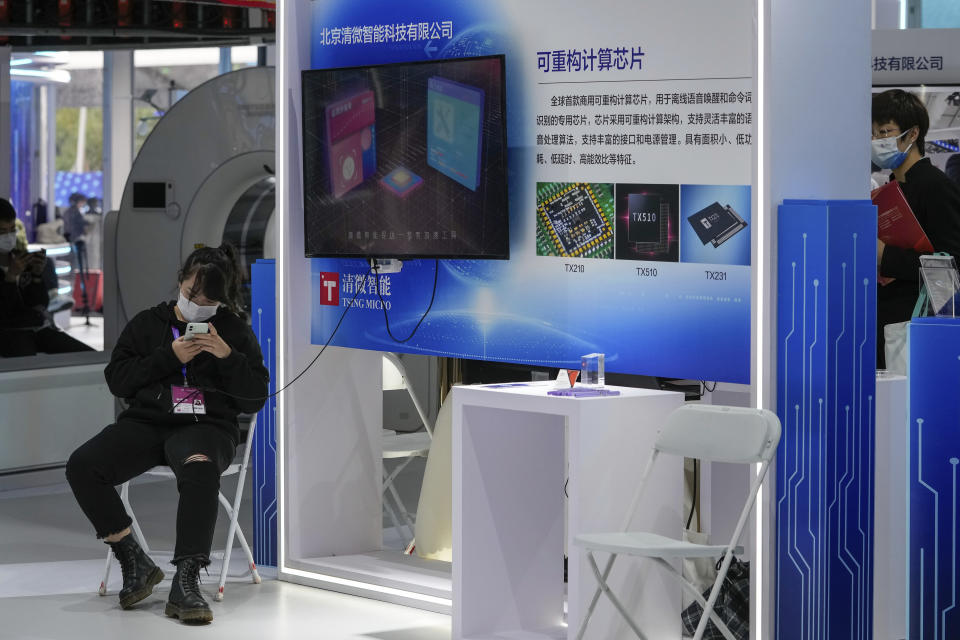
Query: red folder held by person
[(896, 224)]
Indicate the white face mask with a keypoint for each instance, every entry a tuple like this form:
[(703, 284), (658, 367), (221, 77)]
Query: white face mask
[(8, 242), (193, 312)]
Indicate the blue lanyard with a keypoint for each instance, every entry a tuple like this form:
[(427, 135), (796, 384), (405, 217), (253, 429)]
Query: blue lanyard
[(176, 335)]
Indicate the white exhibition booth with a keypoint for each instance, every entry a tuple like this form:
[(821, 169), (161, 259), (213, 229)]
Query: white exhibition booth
[(512, 449), (810, 80)]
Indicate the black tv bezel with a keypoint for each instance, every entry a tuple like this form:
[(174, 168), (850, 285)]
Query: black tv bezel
[(413, 256)]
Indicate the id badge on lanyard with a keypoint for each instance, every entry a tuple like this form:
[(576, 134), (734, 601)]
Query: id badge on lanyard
[(186, 398)]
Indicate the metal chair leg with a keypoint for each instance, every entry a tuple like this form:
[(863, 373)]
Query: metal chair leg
[(393, 517), (712, 600), (231, 533), (390, 493), (393, 474), (595, 598), (254, 574), (241, 479), (106, 576), (234, 533), (613, 599), (402, 508)]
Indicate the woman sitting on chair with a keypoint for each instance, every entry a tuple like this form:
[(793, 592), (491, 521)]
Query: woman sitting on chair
[(184, 391)]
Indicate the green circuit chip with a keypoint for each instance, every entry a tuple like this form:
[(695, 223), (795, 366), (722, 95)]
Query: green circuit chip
[(574, 220)]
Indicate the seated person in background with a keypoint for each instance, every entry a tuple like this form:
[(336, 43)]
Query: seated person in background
[(58, 301), (900, 124), (25, 326)]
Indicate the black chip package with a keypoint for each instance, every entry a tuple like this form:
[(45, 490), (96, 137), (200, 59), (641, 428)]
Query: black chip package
[(643, 218), (716, 224), (574, 220)]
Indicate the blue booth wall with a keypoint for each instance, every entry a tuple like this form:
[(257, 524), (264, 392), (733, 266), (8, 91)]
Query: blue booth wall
[(826, 359), (264, 454), (22, 106), (934, 431)]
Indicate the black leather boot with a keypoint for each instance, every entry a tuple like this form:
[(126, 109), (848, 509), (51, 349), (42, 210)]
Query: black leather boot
[(140, 574), (185, 601)]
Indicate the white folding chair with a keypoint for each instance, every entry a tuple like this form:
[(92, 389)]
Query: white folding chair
[(232, 509), (721, 434), (403, 445)]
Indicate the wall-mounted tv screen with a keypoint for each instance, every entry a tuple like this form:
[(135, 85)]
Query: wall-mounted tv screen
[(406, 160)]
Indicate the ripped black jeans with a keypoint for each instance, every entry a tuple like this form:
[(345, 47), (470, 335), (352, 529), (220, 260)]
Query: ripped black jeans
[(198, 453)]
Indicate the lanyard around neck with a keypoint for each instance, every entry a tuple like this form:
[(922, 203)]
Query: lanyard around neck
[(176, 335)]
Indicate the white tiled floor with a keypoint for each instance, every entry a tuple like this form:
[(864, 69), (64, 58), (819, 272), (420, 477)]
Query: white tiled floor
[(270, 610), (91, 334), (51, 564)]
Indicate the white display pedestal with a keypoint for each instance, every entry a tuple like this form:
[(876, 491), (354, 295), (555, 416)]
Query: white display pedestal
[(890, 510), (510, 466)]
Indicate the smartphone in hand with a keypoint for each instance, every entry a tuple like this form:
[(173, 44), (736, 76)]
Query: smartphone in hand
[(36, 260), (195, 328)]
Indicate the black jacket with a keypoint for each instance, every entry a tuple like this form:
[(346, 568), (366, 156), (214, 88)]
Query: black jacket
[(143, 367), (935, 201), (22, 303)]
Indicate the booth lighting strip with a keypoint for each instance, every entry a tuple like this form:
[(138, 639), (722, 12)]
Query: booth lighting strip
[(366, 586), (284, 60), (757, 627), (56, 75)]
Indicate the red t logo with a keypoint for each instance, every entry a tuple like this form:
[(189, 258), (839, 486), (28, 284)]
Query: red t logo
[(329, 288)]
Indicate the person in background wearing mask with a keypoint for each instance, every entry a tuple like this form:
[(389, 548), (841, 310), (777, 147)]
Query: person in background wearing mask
[(25, 326), (900, 124), (96, 205), (184, 396), (75, 231)]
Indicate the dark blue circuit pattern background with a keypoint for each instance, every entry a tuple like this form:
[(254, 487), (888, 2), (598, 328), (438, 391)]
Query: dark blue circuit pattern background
[(932, 611), (826, 362)]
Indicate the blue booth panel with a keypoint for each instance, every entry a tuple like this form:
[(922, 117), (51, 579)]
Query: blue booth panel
[(932, 606), (264, 457), (826, 358)]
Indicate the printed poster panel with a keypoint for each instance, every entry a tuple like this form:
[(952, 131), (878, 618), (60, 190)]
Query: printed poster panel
[(628, 171)]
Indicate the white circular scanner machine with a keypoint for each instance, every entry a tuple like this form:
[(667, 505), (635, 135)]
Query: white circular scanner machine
[(203, 176)]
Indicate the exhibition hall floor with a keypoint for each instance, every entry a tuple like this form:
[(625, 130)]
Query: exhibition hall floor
[(51, 566)]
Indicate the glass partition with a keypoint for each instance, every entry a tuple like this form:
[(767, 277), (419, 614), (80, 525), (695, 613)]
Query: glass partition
[(57, 148)]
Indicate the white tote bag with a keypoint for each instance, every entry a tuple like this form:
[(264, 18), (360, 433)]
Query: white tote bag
[(895, 347), (896, 351)]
